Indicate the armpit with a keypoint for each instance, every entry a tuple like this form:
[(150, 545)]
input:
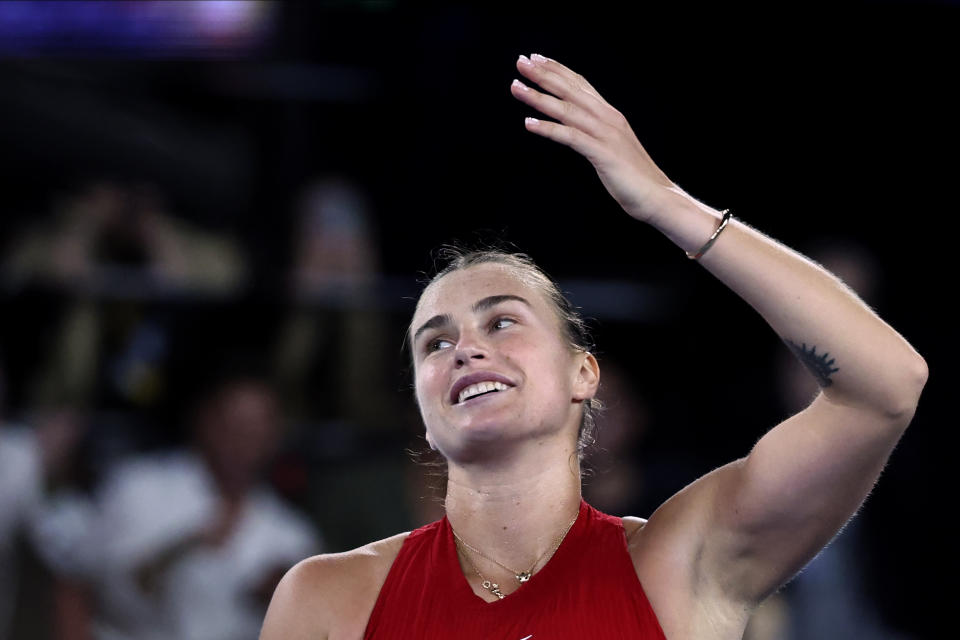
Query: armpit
[(632, 525)]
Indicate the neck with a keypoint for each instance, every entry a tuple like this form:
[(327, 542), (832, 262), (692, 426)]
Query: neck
[(516, 512)]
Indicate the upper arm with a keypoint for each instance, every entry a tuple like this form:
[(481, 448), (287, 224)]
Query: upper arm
[(298, 609), (770, 513)]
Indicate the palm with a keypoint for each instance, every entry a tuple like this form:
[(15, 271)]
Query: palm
[(588, 124)]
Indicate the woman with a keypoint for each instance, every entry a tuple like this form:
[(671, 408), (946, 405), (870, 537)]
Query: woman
[(503, 382)]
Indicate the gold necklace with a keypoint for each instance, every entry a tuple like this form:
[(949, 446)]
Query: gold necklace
[(521, 576)]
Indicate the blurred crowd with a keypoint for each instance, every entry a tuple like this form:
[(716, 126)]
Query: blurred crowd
[(148, 465), (168, 450)]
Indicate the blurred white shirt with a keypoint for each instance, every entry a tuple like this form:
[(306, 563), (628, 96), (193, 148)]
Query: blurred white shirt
[(150, 504), (21, 489)]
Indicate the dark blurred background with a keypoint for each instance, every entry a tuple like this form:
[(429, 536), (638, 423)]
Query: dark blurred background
[(216, 217)]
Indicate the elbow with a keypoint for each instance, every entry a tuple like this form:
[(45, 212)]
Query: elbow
[(908, 396), (920, 372)]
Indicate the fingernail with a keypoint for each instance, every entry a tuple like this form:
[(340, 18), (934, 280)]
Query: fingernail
[(525, 61), (531, 121), (538, 58), (520, 85)]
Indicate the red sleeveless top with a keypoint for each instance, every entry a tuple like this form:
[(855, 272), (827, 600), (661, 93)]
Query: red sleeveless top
[(588, 589)]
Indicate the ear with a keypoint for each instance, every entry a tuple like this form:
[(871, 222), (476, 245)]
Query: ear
[(588, 377)]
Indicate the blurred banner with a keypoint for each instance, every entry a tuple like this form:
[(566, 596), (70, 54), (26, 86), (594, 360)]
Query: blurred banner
[(205, 28)]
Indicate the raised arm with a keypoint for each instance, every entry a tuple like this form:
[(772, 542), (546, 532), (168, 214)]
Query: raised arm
[(761, 518)]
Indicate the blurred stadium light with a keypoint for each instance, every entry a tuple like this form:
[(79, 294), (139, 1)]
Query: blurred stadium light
[(151, 28)]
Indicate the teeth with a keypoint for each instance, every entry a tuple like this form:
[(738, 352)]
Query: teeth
[(481, 387)]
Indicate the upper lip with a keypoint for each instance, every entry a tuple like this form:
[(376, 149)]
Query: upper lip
[(473, 378)]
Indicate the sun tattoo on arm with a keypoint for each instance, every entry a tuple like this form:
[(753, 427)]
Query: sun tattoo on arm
[(820, 365)]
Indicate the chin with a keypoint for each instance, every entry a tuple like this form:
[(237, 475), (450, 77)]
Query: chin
[(486, 429), (476, 438)]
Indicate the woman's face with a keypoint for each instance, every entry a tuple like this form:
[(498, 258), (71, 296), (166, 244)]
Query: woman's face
[(492, 365)]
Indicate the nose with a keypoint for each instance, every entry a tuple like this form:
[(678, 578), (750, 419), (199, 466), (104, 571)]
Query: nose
[(469, 347)]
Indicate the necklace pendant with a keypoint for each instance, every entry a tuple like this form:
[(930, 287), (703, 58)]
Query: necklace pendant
[(523, 576), (493, 588)]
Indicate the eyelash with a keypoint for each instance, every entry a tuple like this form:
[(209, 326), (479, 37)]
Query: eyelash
[(432, 345)]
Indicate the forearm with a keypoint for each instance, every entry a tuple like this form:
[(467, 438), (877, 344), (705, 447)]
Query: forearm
[(873, 366), (869, 364)]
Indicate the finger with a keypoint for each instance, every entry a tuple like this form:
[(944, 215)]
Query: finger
[(566, 112), (552, 65), (606, 113), (569, 136), (563, 88)]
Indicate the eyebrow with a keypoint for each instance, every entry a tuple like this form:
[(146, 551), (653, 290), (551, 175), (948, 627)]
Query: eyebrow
[(480, 305)]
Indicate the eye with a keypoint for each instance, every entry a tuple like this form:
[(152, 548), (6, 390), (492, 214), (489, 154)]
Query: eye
[(436, 345), (502, 323)]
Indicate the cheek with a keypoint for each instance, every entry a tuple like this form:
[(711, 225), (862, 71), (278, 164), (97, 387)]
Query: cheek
[(427, 385), (561, 379), (545, 374)]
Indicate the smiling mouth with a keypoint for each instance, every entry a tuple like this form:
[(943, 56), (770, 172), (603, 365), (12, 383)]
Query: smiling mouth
[(481, 389)]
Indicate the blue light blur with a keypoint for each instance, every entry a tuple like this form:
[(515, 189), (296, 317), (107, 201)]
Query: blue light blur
[(151, 28)]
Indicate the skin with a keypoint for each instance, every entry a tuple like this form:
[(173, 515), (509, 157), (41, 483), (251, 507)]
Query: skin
[(713, 552), (513, 477)]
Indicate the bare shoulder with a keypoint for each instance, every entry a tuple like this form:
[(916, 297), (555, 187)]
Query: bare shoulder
[(331, 596)]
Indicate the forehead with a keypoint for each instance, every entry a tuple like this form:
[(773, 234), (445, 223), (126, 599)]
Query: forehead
[(459, 290)]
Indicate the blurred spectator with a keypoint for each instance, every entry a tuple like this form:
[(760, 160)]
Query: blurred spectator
[(109, 250), (334, 244), (331, 346), (31, 459), (191, 544), (106, 227)]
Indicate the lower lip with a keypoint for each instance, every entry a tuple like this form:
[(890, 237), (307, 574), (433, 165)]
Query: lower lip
[(478, 399)]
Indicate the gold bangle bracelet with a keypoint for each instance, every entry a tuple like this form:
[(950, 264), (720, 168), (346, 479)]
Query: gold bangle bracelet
[(713, 238)]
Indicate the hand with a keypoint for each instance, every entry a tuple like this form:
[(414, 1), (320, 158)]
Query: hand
[(595, 129)]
